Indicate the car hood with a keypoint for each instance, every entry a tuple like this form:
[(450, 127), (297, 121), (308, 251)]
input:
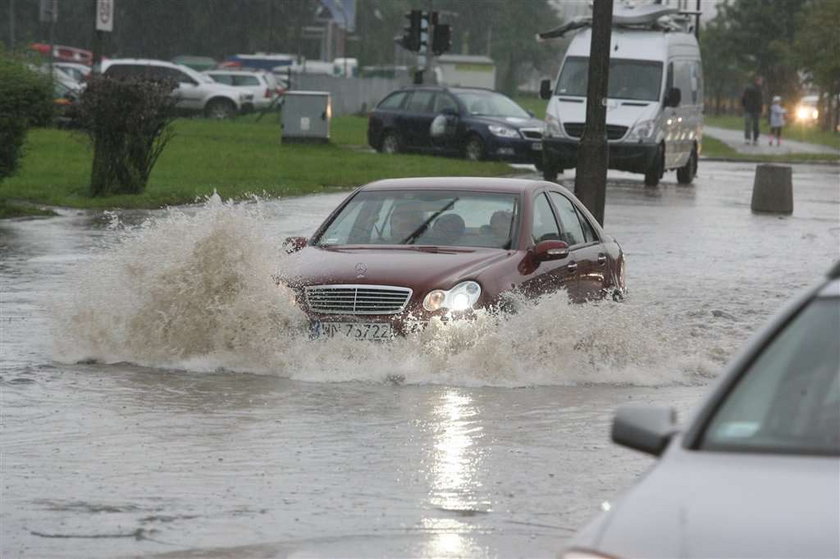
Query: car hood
[(619, 112), (714, 504), (419, 268), (513, 122)]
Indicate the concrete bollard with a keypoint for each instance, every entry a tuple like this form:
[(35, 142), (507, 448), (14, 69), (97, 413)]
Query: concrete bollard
[(772, 189)]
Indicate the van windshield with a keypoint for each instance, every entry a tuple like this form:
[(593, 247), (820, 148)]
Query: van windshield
[(640, 80)]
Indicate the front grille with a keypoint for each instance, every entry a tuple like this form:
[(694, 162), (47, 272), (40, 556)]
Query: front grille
[(575, 130), (357, 299), (532, 133)]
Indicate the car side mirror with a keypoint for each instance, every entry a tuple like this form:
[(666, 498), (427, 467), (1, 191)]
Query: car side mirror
[(294, 244), (449, 111), (551, 250), (644, 428), (673, 97), (545, 89)]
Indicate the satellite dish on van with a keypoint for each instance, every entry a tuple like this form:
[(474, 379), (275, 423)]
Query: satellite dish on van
[(624, 15), (641, 15)]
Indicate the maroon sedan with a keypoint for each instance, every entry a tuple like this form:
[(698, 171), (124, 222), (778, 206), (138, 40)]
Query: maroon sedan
[(401, 251)]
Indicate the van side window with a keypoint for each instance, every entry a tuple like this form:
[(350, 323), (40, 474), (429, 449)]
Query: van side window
[(696, 83), (669, 78), (682, 78)]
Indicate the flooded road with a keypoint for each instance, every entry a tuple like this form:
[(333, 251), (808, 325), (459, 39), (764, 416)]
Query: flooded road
[(160, 396)]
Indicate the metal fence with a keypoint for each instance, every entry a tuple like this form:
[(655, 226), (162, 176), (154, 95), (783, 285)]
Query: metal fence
[(349, 95)]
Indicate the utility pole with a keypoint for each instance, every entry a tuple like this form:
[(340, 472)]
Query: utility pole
[(593, 153)]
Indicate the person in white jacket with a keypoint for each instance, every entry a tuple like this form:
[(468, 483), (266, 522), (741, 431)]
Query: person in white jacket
[(777, 120)]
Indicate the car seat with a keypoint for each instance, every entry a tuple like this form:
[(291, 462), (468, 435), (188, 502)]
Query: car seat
[(449, 228)]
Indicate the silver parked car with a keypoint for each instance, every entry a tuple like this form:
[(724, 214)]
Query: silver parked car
[(756, 473)]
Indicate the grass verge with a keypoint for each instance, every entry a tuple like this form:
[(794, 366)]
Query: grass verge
[(716, 149), (236, 158), (793, 131)]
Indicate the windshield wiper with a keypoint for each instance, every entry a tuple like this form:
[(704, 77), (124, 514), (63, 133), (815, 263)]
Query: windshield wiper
[(425, 225)]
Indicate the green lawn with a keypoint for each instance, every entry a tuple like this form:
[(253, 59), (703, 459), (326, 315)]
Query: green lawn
[(236, 158), (715, 148)]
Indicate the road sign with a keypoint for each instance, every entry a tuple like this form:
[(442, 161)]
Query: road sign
[(105, 15)]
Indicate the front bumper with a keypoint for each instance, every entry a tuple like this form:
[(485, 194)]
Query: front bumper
[(562, 153), (515, 150)]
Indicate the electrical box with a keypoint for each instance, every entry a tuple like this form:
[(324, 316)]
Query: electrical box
[(306, 116)]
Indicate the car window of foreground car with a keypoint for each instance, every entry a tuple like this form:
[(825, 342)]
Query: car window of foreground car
[(438, 218), (788, 401)]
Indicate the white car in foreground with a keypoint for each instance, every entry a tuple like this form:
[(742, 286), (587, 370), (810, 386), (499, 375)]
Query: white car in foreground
[(194, 92), (756, 473)]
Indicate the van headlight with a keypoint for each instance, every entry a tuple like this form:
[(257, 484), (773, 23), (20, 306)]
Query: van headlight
[(460, 298), (552, 126), (643, 130), (503, 131)]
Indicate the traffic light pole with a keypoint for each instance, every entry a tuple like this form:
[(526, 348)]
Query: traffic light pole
[(593, 153)]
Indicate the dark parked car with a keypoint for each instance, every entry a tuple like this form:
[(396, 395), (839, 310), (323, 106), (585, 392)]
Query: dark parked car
[(398, 252), (756, 473), (472, 122)]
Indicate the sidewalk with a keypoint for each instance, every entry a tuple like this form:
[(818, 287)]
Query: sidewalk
[(735, 140)]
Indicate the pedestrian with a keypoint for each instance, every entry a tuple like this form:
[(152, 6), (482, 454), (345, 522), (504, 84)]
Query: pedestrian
[(777, 120), (753, 103)]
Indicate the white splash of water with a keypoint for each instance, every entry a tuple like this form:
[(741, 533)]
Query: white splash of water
[(195, 291)]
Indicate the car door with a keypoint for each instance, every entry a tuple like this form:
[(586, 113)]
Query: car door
[(445, 105), (550, 275), (586, 248), (189, 92), (416, 120)]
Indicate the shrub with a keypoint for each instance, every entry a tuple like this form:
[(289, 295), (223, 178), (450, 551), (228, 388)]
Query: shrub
[(128, 122), (25, 101)]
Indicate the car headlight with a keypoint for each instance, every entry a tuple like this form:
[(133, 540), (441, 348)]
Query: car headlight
[(503, 131), (460, 298), (552, 126), (643, 130)]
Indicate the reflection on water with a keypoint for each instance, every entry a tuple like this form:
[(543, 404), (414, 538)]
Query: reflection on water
[(455, 474)]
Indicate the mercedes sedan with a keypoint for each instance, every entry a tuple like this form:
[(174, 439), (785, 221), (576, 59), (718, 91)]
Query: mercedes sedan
[(397, 253)]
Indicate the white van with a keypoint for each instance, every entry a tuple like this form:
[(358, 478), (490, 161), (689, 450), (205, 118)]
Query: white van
[(654, 105)]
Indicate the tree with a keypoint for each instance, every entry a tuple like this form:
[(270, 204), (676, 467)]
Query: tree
[(724, 78), (25, 101), (760, 34), (816, 48), (128, 123)]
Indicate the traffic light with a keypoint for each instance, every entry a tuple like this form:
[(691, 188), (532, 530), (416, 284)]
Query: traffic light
[(411, 34), (441, 39)]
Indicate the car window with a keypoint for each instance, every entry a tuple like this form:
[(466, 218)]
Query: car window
[(246, 80), (124, 71), (444, 101), (419, 102), (566, 213), (439, 218), (222, 78), (545, 224), (788, 400), (393, 101), (490, 103)]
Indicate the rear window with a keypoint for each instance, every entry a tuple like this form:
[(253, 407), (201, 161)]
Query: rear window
[(246, 80), (393, 101), (788, 401)]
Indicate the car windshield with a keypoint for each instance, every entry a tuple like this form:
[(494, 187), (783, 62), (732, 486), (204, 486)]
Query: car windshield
[(789, 399), (629, 79), (415, 217), (490, 103)]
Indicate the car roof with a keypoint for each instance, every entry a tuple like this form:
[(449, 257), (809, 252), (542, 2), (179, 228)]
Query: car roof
[(482, 184), (144, 61), (454, 89)]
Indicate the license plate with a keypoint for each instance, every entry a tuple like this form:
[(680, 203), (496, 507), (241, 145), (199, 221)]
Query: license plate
[(536, 146), (352, 330)]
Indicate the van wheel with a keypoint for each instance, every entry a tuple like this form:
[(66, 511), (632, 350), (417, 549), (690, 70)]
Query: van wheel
[(657, 168), (474, 150), (390, 143), (687, 172), (219, 109)]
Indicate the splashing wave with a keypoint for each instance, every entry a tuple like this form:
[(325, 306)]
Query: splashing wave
[(194, 291)]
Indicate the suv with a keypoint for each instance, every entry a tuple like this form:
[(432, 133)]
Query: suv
[(194, 92), (261, 85), (473, 122)]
